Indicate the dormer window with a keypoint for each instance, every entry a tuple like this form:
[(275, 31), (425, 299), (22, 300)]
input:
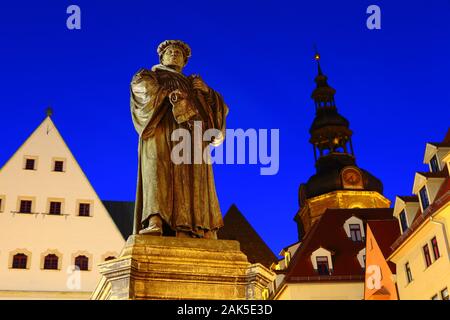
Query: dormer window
[(424, 198), (354, 228), (403, 221), (322, 262), (434, 164), (323, 268), (355, 232)]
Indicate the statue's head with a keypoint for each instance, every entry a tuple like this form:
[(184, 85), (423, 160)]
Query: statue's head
[(174, 54)]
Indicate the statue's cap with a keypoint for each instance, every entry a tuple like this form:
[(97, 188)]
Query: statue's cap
[(182, 45)]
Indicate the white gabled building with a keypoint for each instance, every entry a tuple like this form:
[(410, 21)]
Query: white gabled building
[(51, 219)]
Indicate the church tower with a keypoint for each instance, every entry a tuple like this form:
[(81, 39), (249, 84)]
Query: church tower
[(338, 181)]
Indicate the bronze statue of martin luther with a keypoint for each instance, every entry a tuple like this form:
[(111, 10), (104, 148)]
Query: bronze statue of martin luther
[(170, 196)]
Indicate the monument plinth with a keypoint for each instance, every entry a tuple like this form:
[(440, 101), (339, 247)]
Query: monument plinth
[(152, 267)]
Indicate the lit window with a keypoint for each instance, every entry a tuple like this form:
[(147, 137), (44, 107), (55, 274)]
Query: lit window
[(82, 262), (20, 261), (426, 253), (355, 232), (434, 164), (408, 272), (51, 262), (403, 221), (55, 207), (435, 246), (25, 206), (322, 266), (444, 294), (84, 210), (424, 198), (58, 166), (30, 164)]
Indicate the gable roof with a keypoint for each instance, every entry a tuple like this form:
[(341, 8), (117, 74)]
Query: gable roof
[(236, 227), (122, 213), (385, 233), (328, 232)]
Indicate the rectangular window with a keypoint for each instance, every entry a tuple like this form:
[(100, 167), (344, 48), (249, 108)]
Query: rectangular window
[(424, 198), (408, 272), (444, 294), (435, 246), (84, 210), (322, 266), (426, 253), (403, 221), (58, 166), (434, 164), (30, 164), (55, 207), (355, 232), (25, 206)]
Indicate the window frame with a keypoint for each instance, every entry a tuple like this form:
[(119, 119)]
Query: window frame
[(55, 200), (53, 164), (14, 261), (82, 256), (434, 164), (26, 160), (355, 232), (403, 219), (427, 255), (45, 266), (22, 206), (2, 203), (423, 194), (84, 205), (409, 276), (435, 247), (323, 261)]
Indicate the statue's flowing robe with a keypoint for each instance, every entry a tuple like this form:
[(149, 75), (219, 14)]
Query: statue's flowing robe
[(184, 195)]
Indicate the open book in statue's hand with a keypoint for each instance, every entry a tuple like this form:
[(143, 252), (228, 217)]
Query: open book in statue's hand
[(182, 108)]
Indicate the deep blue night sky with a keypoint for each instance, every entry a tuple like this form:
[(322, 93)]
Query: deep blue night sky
[(392, 84)]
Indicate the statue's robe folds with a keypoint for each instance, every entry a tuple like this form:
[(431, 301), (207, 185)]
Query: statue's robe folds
[(184, 195)]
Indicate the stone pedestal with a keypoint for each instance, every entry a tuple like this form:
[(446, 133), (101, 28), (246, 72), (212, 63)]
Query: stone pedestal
[(152, 267)]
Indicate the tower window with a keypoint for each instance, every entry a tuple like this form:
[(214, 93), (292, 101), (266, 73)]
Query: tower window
[(25, 206), (355, 232), (84, 209), (434, 164), (82, 262), (435, 246), (58, 166), (403, 221), (426, 254), (424, 198), (322, 266), (408, 272), (20, 261), (51, 262), (30, 164), (55, 208)]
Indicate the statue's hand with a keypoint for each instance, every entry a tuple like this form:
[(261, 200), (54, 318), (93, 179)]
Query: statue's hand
[(199, 84)]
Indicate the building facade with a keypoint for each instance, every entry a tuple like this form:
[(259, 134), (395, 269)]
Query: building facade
[(54, 229), (422, 252)]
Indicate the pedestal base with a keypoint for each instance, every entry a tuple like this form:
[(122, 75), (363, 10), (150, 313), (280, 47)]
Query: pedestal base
[(152, 267)]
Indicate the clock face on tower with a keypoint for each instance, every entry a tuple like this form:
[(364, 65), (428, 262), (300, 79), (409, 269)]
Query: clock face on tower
[(351, 178)]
